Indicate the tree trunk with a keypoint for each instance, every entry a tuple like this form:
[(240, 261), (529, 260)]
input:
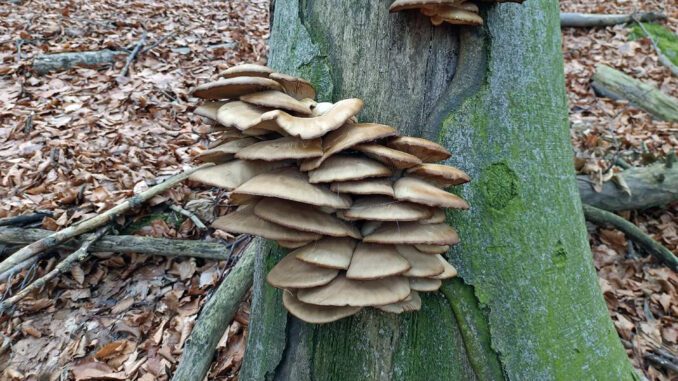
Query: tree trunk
[(527, 305)]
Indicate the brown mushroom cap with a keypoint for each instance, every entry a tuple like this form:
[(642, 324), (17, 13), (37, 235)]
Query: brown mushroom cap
[(311, 128), (425, 284), (289, 184), (303, 217), (359, 293), (349, 135), (420, 192), (382, 208), (226, 151), (241, 115), (281, 149), (245, 221), (347, 168), (314, 314), (413, 233), (372, 261), (277, 100), (433, 249), (246, 70), (297, 87), (437, 217), (439, 175), (422, 265), (234, 173), (330, 252), (369, 227), (426, 150), (293, 273), (391, 157), (410, 304), (401, 5), (458, 16), (234, 87), (209, 109), (293, 244), (376, 186), (449, 272)]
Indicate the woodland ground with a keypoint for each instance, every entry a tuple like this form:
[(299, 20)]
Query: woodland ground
[(77, 142)]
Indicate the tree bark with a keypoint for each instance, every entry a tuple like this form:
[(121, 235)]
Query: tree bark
[(591, 20), (527, 305)]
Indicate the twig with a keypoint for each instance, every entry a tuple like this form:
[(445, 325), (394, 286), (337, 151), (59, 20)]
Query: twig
[(662, 361), (602, 217), (132, 56), (27, 263), (4, 343), (158, 42), (24, 219), (77, 256), (662, 58), (95, 222), (196, 220)]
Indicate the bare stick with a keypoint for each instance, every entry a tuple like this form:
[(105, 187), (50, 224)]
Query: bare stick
[(24, 219), (132, 56), (95, 222), (196, 221), (586, 20), (77, 256)]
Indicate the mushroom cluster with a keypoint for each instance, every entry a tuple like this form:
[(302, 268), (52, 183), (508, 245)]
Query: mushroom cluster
[(362, 207), (457, 12)]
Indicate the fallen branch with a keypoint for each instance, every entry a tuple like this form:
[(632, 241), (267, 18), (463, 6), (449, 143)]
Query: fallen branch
[(590, 20), (670, 364), (25, 219), (602, 217), (46, 63), (132, 56), (65, 265), (616, 85), (93, 223), (196, 220), (651, 186), (664, 60), (215, 318), (126, 244)]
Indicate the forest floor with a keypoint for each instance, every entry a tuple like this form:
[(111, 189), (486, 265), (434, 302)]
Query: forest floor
[(77, 142)]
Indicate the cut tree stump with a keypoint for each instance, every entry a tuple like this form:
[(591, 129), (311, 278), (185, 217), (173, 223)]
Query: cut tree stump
[(616, 85), (591, 20), (46, 63)]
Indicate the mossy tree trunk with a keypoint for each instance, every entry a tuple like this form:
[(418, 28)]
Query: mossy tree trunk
[(527, 305)]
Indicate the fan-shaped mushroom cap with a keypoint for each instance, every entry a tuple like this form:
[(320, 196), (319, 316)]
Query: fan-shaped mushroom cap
[(330, 252), (437, 217), (377, 186), (312, 313), (346, 168), (411, 303), (369, 227), (348, 136), (321, 108), (281, 149), (456, 16), (245, 221), (246, 70), (449, 272), (420, 192), (277, 100), (299, 88), (234, 87), (381, 208), (425, 150), (230, 175), (289, 184), (401, 5), (311, 128), (422, 265), (359, 293), (433, 249), (209, 109), (292, 244), (293, 273), (425, 284), (225, 151), (372, 261), (439, 175), (413, 233), (303, 217), (391, 157), (242, 116)]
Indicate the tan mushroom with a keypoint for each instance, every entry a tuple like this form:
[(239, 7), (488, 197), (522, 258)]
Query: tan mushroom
[(420, 192), (426, 150), (246, 70), (330, 252), (299, 88), (369, 227), (449, 270), (293, 273), (372, 261), (455, 16), (382, 208), (244, 221), (432, 249), (293, 244), (437, 217), (303, 217), (225, 135), (281, 149), (226, 151), (391, 157), (347, 168), (358, 293), (422, 265), (439, 175), (425, 284), (402, 5), (315, 314), (234, 87), (234, 173), (289, 184), (209, 109), (242, 116), (413, 233), (277, 100), (374, 186), (410, 304)]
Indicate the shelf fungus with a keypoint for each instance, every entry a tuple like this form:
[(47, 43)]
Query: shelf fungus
[(456, 12), (360, 208)]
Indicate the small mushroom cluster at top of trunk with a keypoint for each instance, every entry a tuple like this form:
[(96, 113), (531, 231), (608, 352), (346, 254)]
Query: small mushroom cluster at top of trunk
[(362, 208), (457, 12)]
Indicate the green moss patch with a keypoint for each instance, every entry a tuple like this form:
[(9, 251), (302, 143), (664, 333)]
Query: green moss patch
[(665, 38)]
